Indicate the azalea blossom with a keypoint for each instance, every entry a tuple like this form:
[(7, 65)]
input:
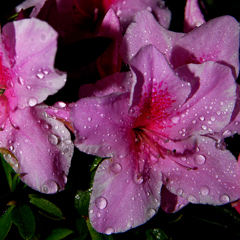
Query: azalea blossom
[(153, 124), (216, 40), (38, 147)]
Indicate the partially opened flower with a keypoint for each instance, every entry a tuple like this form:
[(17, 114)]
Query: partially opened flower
[(152, 124), (38, 147), (216, 40)]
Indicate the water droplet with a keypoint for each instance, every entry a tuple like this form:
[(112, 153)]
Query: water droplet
[(32, 101), (224, 198), (40, 75), (220, 145), (212, 118), (21, 80), (204, 127), (179, 192), (89, 119), (204, 190), (191, 198), (46, 126), (138, 178), (101, 202), (60, 104), (116, 167), (49, 186), (199, 159), (227, 133), (109, 230), (175, 119), (151, 212), (53, 139)]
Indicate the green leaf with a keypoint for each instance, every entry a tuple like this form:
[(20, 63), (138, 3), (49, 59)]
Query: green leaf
[(46, 207), (156, 234), (95, 163), (23, 218), (94, 234), (8, 171), (59, 233), (5, 222), (81, 202), (81, 226)]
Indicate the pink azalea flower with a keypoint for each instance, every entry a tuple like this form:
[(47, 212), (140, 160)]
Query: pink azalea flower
[(152, 124), (78, 19), (38, 147), (216, 40)]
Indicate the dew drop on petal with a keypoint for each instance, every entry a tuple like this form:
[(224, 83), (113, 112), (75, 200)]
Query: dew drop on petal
[(109, 230), (199, 159), (175, 119), (101, 202), (49, 186), (179, 192), (227, 133), (191, 198), (32, 101), (204, 190), (21, 80), (224, 198), (151, 212), (40, 75), (116, 167), (220, 145), (138, 178), (53, 139)]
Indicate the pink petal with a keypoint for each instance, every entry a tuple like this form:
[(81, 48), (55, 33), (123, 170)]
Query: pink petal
[(193, 16), (102, 125), (216, 40), (211, 103), (109, 62), (202, 173), (42, 148), (118, 202), (157, 85), (127, 9), (145, 30), (170, 202), (30, 45)]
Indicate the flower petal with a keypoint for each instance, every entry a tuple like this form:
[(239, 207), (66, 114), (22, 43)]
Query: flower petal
[(156, 84), (102, 125), (202, 173), (118, 203), (30, 45), (216, 40), (193, 16), (211, 103), (42, 148)]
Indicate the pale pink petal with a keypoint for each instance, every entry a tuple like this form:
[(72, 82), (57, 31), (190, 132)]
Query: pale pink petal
[(146, 30), (211, 103), (201, 173), (119, 201), (41, 146), (102, 125), (30, 46), (216, 40), (193, 16), (127, 9)]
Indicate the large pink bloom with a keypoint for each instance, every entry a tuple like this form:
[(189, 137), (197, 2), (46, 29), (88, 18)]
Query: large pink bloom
[(153, 126), (37, 146)]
